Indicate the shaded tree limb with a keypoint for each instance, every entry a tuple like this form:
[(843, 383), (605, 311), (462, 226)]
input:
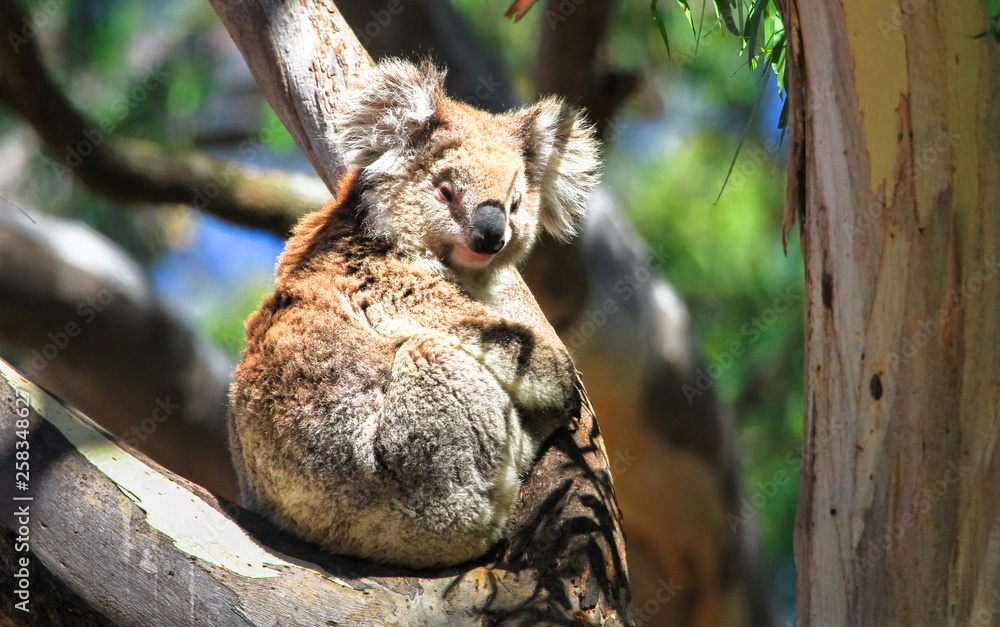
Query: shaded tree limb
[(302, 54), (151, 548), (135, 170)]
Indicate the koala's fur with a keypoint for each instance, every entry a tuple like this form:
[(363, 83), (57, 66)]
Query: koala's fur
[(389, 398)]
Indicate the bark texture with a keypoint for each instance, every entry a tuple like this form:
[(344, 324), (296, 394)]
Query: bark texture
[(303, 54), (899, 509)]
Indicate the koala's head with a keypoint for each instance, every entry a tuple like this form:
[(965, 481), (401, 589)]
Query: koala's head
[(469, 188)]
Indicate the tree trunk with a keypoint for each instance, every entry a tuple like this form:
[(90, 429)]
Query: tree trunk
[(899, 508)]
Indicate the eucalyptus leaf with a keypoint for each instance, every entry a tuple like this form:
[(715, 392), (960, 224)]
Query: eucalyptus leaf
[(689, 15), (761, 90), (753, 26), (725, 11), (660, 25)]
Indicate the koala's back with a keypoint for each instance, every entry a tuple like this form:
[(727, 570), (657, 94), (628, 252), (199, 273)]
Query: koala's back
[(370, 439)]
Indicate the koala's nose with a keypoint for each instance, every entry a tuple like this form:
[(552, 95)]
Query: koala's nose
[(489, 225)]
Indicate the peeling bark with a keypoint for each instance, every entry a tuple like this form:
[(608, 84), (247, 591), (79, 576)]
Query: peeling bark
[(899, 508)]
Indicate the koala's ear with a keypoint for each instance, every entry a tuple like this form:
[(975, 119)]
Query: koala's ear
[(391, 110), (561, 156)]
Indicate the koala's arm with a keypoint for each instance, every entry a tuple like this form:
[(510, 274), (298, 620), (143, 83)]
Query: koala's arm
[(534, 368), (537, 373)]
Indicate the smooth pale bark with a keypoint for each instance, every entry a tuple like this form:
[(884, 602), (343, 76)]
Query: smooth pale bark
[(899, 509), (302, 54)]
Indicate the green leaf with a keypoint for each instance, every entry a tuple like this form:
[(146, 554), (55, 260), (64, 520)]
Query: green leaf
[(783, 118), (753, 26), (777, 50), (659, 24), (725, 11), (746, 130), (689, 15), (777, 59)]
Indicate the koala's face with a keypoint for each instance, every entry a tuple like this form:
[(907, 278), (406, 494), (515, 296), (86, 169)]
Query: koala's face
[(469, 188), (465, 195)]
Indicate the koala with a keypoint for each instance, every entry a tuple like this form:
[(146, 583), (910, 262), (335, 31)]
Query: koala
[(397, 385)]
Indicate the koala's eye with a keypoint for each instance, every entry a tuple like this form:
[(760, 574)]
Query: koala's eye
[(515, 204), (445, 193)]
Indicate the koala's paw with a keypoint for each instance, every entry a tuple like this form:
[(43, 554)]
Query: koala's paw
[(537, 375), (552, 386)]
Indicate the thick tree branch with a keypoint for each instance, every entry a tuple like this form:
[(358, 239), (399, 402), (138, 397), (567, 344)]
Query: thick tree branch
[(281, 42), (150, 548), (135, 170)]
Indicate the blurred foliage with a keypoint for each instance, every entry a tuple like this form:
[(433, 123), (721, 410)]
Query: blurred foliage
[(745, 297), (224, 325), (993, 23)]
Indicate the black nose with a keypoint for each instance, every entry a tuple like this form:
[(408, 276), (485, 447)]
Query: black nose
[(489, 224)]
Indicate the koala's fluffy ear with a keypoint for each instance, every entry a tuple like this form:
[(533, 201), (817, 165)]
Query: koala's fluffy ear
[(561, 155), (390, 111)]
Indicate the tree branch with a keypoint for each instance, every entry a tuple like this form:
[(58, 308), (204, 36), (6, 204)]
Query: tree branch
[(282, 43), (135, 170), (178, 555)]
